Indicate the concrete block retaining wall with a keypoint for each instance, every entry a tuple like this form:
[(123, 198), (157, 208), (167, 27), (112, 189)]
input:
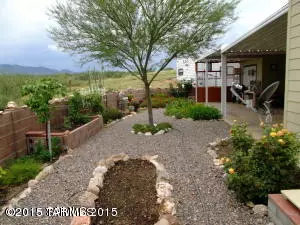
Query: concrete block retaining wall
[(15, 123)]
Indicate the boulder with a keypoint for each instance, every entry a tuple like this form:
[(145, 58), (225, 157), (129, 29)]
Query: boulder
[(162, 222), (87, 199), (260, 210), (44, 173), (32, 183)]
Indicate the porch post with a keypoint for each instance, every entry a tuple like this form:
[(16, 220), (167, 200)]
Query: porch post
[(196, 88), (206, 82), (224, 85)]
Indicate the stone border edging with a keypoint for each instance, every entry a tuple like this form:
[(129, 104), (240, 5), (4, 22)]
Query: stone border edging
[(259, 210), (164, 189)]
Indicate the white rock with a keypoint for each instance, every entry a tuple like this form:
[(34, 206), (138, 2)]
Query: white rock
[(25, 193), (260, 210), (148, 134), (94, 186), (100, 170), (168, 207), (132, 132), (120, 157), (162, 222), (88, 199), (217, 162), (44, 173), (213, 144), (32, 183), (164, 189), (212, 153), (140, 133), (160, 132)]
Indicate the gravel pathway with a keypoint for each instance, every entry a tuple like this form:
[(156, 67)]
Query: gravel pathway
[(198, 186)]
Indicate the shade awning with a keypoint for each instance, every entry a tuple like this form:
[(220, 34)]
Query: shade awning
[(268, 38)]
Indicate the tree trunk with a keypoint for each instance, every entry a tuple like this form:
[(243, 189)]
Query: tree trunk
[(48, 138), (149, 103)]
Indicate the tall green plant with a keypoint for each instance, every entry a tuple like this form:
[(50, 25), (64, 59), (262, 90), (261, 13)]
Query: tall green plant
[(39, 93), (129, 34)]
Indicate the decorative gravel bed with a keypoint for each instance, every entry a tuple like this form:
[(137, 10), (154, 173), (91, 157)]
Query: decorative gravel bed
[(200, 194)]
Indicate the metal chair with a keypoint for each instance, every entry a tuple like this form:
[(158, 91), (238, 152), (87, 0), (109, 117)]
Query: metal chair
[(263, 102)]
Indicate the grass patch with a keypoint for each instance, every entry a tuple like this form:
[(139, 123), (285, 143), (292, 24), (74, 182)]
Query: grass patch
[(145, 128), (20, 170)]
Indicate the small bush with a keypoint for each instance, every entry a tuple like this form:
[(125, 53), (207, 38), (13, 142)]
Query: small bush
[(92, 103), (182, 90), (111, 114), (158, 101), (186, 108), (268, 167), (76, 115), (20, 171), (135, 103), (202, 112), (144, 128), (241, 139), (42, 153)]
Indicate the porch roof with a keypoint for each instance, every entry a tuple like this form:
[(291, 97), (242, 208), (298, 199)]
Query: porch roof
[(268, 38)]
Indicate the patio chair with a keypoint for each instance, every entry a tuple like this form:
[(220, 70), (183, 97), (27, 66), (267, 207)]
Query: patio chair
[(263, 102)]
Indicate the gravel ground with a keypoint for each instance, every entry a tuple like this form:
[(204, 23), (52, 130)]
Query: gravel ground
[(199, 189)]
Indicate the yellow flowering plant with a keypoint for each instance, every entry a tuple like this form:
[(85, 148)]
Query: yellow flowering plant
[(270, 165)]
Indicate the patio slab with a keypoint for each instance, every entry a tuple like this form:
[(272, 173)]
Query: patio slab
[(241, 113)]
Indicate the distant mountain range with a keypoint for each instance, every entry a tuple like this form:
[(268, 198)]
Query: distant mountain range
[(17, 69)]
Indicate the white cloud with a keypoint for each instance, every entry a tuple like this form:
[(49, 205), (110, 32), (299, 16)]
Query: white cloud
[(23, 19), (54, 48)]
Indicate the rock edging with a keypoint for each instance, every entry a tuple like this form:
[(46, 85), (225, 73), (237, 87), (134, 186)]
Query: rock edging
[(164, 189), (259, 210)]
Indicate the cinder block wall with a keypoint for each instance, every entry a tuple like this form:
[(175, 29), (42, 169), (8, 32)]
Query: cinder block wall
[(15, 123)]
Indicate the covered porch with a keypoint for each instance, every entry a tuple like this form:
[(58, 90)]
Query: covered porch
[(240, 113), (261, 54)]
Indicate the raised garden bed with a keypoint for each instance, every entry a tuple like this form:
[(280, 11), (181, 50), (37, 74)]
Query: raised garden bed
[(71, 139), (130, 191)]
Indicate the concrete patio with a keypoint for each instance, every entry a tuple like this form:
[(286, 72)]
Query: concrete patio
[(240, 113)]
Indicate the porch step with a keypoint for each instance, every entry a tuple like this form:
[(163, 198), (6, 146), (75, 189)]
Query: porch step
[(293, 196), (282, 211)]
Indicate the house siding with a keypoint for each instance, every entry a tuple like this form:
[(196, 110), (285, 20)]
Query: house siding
[(292, 84)]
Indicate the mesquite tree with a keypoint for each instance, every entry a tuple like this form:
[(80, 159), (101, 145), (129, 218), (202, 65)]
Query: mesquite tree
[(133, 34), (39, 94)]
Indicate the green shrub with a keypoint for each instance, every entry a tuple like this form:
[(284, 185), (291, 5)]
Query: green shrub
[(92, 102), (179, 108), (144, 128), (187, 108), (268, 167), (76, 111), (241, 139), (20, 170), (159, 100), (182, 90), (202, 112), (135, 103), (41, 152), (111, 114)]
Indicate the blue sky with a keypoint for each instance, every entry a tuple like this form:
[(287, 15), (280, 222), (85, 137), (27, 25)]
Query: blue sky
[(24, 39)]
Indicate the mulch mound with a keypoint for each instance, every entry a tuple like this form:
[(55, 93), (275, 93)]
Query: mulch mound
[(130, 187)]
